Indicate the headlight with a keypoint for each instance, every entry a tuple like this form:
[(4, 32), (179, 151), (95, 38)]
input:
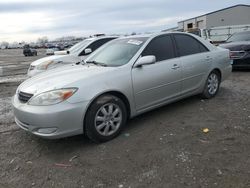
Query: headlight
[(44, 65), (52, 97)]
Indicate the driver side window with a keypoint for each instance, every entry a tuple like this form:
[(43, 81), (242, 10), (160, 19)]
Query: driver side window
[(161, 47)]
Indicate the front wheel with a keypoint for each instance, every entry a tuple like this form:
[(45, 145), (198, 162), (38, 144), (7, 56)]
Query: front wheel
[(212, 85), (105, 118)]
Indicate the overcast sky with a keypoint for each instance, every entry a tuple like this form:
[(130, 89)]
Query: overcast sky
[(29, 19)]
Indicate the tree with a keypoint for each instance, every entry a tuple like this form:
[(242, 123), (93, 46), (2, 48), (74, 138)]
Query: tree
[(4, 44), (42, 40)]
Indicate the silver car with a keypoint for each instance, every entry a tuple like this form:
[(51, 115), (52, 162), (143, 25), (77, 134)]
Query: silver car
[(122, 79)]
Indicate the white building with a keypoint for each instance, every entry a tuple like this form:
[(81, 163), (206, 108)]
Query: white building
[(235, 15)]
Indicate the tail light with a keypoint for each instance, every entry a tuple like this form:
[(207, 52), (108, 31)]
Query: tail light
[(237, 54)]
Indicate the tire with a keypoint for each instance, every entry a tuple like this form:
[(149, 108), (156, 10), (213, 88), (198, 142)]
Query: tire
[(212, 85), (105, 118)]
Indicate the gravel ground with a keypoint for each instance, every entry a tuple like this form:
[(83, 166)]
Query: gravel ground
[(14, 63), (163, 148)]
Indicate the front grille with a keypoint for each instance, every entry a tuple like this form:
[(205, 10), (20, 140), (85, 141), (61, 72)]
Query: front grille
[(24, 97)]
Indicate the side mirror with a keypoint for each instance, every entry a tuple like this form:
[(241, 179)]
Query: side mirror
[(146, 60), (88, 51)]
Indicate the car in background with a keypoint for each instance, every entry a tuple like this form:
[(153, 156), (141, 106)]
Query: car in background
[(51, 50), (122, 79), (76, 53), (28, 51), (239, 46)]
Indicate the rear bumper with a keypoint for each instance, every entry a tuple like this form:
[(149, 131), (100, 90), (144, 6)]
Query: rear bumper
[(241, 63)]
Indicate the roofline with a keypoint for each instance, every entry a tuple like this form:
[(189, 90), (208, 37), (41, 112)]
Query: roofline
[(152, 35), (215, 12)]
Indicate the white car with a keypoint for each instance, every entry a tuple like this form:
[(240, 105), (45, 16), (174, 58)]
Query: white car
[(51, 51), (76, 53)]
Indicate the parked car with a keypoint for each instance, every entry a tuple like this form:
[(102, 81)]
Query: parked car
[(76, 53), (28, 51), (51, 50), (126, 77), (239, 46)]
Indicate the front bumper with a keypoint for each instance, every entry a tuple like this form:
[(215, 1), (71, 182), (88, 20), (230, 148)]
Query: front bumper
[(52, 122)]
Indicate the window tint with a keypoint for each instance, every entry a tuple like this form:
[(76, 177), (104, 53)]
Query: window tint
[(187, 45), (98, 43), (161, 47), (95, 45)]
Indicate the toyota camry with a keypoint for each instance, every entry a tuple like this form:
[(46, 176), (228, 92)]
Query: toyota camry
[(122, 79)]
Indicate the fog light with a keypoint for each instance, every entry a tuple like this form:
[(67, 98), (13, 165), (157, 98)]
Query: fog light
[(47, 130)]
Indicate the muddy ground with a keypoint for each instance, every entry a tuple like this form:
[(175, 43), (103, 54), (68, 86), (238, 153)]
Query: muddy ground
[(163, 148)]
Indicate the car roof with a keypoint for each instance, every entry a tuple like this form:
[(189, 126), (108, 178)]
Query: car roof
[(152, 35), (101, 37)]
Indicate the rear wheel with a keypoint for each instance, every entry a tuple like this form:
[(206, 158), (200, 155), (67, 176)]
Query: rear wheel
[(105, 118), (212, 85)]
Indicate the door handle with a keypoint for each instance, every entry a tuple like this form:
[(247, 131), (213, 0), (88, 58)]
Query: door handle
[(175, 66)]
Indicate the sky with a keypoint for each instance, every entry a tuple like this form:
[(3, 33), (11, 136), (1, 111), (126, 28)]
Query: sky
[(27, 20)]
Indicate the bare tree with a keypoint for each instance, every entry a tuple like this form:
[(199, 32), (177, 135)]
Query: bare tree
[(42, 40), (4, 44)]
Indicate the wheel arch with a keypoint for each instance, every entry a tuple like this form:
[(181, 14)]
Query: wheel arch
[(218, 71), (118, 94)]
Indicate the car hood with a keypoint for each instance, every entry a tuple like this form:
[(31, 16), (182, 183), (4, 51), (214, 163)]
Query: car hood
[(61, 78), (237, 46), (50, 58)]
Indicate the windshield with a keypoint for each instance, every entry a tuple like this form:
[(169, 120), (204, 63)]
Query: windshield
[(77, 48), (117, 52), (245, 36)]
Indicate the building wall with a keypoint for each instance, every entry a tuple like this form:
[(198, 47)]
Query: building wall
[(201, 22), (239, 15), (236, 16), (180, 26), (198, 22)]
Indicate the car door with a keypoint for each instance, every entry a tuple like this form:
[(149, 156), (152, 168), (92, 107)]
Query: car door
[(195, 60), (156, 83)]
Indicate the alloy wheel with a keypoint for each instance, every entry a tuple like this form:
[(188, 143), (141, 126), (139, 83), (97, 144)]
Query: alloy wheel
[(108, 119), (213, 83)]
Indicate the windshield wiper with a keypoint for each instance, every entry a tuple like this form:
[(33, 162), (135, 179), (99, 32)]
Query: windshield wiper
[(97, 63)]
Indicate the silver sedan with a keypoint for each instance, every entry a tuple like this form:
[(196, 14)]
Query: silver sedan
[(122, 79)]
